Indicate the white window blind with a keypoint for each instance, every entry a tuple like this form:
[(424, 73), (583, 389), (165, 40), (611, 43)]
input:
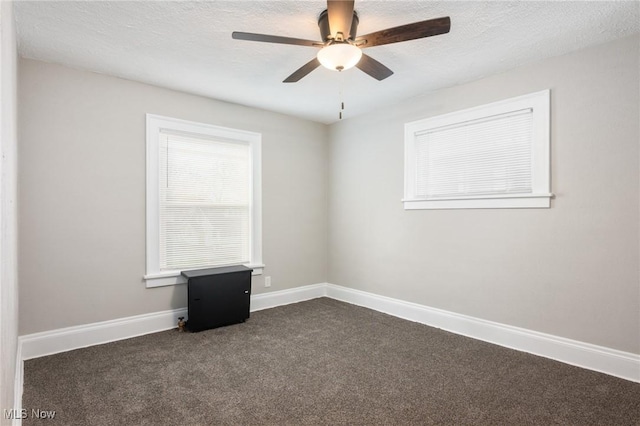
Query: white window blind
[(491, 155), (205, 202)]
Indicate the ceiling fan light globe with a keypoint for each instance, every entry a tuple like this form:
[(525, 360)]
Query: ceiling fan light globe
[(339, 56)]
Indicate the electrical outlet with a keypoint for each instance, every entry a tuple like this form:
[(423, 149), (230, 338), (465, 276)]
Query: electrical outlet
[(267, 281)]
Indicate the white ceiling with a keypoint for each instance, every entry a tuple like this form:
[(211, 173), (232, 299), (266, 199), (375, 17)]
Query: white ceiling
[(187, 46)]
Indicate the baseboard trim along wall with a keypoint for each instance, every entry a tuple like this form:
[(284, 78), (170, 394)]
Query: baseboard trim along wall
[(592, 357), (609, 361), (66, 339), (286, 297)]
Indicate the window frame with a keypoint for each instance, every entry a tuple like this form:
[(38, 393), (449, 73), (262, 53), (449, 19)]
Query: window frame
[(154, 277), (539, 103)]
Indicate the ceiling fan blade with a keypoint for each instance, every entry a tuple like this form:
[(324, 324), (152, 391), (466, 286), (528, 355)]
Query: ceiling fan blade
[(303, 71), (407, 32), (340, 17), (274, 39), (374, 68)]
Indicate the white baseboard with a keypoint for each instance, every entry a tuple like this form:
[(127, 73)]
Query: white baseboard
[(285, 297), (609, 361), (66, 339), (592, 357)]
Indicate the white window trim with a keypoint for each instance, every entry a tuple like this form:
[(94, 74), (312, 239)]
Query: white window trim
[(155, 123), (541, 196)]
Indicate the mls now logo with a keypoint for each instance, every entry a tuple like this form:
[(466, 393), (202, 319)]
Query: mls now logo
[(14, 413)]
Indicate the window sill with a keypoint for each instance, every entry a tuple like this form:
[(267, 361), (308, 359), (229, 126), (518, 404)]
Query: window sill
[(163, 279), (510, 201)]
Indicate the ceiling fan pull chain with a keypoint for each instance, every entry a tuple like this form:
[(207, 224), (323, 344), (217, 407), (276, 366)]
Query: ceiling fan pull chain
[(341, 94)]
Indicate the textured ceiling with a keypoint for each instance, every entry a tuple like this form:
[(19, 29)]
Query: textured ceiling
[(187, 46)]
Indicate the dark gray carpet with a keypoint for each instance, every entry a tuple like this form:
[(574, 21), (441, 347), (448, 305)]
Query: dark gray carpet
[(319, 362)]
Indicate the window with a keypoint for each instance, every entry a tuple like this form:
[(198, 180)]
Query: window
[(203, 198), (492, 156)]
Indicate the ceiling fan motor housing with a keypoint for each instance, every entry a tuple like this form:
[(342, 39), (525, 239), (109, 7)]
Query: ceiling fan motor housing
[(325, 31)]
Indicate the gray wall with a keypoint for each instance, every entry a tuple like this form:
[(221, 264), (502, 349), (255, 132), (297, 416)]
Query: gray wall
[(82, 195), (570, 271), (8, 210)]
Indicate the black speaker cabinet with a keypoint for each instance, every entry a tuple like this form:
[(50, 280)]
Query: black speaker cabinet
[(218, 296)]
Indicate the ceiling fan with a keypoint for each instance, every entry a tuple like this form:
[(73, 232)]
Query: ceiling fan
[(340, 48)]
